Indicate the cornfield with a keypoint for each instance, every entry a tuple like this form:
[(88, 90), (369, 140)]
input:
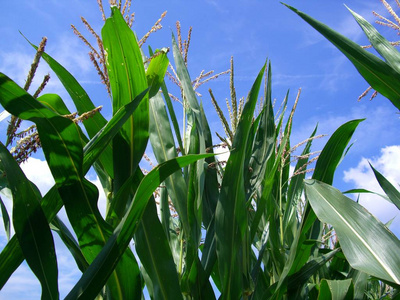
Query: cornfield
[(202, 228)]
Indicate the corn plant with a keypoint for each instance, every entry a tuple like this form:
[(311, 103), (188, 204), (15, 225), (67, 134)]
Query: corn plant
[(238, 229), (365, 241)]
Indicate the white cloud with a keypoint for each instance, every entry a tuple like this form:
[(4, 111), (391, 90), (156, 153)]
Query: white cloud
[(362, 177), (222, 153), (38, 172), (102, 202)]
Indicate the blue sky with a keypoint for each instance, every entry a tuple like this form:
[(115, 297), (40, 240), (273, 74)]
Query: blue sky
[(251, 31)]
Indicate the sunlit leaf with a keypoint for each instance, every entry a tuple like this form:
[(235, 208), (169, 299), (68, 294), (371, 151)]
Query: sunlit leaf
[(367, 244)]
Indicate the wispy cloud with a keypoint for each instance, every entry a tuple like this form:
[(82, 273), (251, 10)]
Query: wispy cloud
[(371, 132)]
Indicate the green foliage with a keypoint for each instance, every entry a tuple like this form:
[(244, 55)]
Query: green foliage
[(240, 227)]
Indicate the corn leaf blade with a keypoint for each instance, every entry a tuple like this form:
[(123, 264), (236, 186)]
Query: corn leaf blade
[(62, 147), (127, 79), (82, 103), (379, 74), (98, 272), (31, 227), (383, 46), (392, 193), (367, 244), (231, 212)]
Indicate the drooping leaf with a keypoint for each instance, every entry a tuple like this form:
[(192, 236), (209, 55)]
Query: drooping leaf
[(367, 244), (333, 151), (31, 227)]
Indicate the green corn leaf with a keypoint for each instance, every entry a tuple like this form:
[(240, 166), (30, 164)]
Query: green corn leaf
[(189, 95), (94, 278), (367, 244), (379, 74), (82, 103), (151, 245), (333, 151), (31, 227), (162, 142), (127, 79), (310, 227), (156, 71), (295, 189), (195, 176), (163, 145), (336, 289), (170, 109), (392, 193), (383, 46), (210, 199), (155, 255), (231, 213), (55, 103), (100, 141), (211, 190), (194, 115), (11, 256), (6, 219), (172, 115), (298, 279), (62, 147), (265, 138), (66, 236), (325, 168), (360, 281)]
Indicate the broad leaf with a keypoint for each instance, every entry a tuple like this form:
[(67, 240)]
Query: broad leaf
[(62, 147), (31, 227), (367, 244), (127, 79), (98, 272)]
